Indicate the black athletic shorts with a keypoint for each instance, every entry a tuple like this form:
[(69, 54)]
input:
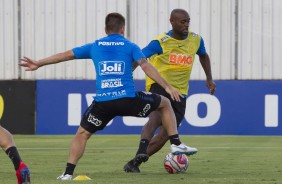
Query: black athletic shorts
[(178, 107), (99, 114)]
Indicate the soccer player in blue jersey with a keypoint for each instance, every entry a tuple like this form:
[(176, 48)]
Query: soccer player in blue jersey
[(113, 57), (172, 54), (7, 143)]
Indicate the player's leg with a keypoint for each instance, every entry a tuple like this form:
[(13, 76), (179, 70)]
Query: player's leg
[(162, 112), (158, 141), (78, 145), (91, 122), (168, 117), (148, 132), (170, 125), (6, 140), (155, 121), (77, 149), (169, 131), (8, 145)]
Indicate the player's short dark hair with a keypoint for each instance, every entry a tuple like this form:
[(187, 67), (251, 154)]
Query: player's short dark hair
[(114, 22)]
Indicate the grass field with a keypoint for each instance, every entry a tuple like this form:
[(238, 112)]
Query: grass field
[(221, 160)]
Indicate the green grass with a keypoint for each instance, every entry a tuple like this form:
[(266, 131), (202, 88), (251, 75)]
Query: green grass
[(221, 160)]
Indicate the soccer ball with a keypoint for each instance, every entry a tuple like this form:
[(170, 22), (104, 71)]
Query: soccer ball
[(176, 163)]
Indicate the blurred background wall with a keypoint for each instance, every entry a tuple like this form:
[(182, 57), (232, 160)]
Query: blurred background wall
[(242, 37)]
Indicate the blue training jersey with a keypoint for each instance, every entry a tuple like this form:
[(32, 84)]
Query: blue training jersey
[(154, 47), (112, 57)]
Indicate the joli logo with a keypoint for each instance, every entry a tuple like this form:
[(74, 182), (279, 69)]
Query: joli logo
[(1, 106), (111, 67), (115, 68)]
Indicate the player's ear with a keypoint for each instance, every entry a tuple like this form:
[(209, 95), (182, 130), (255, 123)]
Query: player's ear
[(122, 30), (171, 21)]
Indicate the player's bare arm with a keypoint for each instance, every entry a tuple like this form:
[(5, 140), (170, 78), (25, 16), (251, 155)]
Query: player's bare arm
[(32, 65), (154, 74), (134, 66), (206, 64)]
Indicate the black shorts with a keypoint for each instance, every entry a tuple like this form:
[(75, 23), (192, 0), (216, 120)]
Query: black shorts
[(99, 114), (178, 107)]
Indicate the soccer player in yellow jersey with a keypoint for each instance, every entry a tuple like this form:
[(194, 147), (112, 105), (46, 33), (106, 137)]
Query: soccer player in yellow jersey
[(172, 54)]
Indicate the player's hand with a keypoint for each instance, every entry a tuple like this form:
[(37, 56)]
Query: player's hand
[(29, 64), (174, 94), (211, 86)]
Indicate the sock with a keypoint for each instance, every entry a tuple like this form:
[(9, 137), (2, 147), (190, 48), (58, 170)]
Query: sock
[(143, 145), (69, 169), (174, 139), (13, 154)]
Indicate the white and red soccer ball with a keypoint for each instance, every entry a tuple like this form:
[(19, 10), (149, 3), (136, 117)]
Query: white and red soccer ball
[(176, 163)]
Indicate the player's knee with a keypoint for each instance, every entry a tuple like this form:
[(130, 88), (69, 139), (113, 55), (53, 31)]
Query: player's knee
[(83, 134), (165, 102), (155, 120)]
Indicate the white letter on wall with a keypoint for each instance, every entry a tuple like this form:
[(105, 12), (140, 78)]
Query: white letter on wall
[(271, 111), (74, 109), (134, 121), (213, 110)]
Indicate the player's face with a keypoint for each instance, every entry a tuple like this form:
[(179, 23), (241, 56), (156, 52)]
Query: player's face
[(180, 23)]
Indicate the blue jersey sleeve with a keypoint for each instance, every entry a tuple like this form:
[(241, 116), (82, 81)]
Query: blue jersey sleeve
[(152, 48), (137, 53), (83, 52), (202, 49)]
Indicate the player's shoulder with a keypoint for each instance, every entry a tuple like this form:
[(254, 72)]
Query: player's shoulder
[(127, 41), (194, 34), (162, 37), (130, 45)]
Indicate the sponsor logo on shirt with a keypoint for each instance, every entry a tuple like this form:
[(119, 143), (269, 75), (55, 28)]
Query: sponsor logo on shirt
[(165, 38), (111, 83), (110, 43), (180, 59), (111, 68), (113, 94)]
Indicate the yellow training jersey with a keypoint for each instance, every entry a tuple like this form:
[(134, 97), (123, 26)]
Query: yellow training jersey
[(175, 64)]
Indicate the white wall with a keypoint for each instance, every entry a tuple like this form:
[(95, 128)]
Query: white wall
[(51, 26), (8, 39), (260, 39)]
